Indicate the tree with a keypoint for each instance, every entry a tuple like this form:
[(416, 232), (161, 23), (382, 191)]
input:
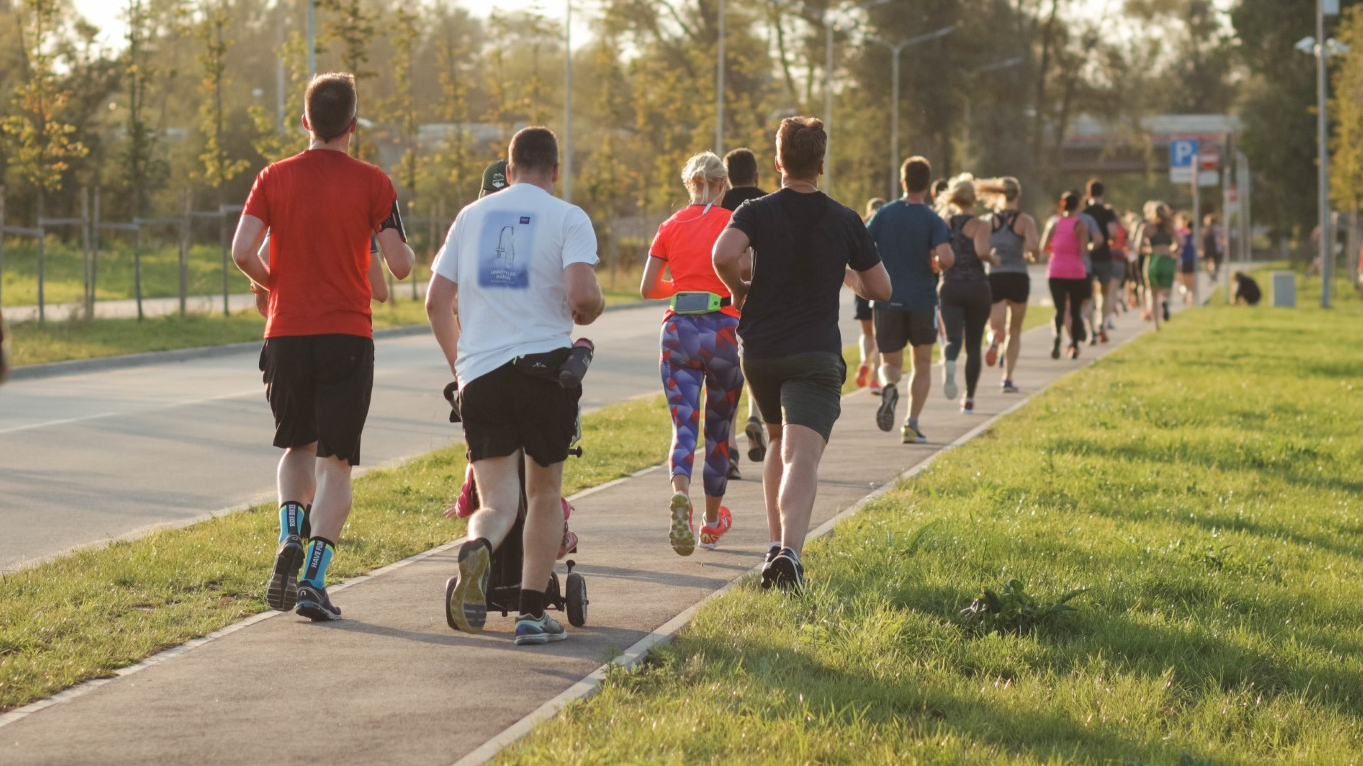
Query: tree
[(350, 25), (218, 168), (1346, 107), (38, 142)]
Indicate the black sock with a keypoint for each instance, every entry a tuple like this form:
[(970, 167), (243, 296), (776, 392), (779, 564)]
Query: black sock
[(532, 602), (305, 531)]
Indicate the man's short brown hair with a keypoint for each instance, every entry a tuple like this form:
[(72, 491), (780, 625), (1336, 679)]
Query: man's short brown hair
[(742, 165), (916, 175), (533, 150), (800, 146), (330, 104)]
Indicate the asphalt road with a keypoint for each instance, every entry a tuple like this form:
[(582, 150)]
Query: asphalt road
[(90, 457)]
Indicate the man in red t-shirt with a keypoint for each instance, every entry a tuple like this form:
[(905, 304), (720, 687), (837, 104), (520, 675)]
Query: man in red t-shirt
[(321, 207)]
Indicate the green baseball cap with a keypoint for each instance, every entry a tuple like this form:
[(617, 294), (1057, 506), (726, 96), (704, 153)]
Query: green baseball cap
[(494, 179)]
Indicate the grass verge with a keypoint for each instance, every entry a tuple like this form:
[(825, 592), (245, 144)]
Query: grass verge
[(35, 343), (1201, 483), (88, 614)]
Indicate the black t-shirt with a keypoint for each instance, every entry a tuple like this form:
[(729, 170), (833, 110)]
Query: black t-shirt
[(738, 195), (1102, 249), (802, 243)]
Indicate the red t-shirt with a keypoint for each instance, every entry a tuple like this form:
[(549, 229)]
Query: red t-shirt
[(685, 241), (321, 207)]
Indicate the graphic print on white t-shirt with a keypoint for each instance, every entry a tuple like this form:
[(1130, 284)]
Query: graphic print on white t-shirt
[(504, 248)]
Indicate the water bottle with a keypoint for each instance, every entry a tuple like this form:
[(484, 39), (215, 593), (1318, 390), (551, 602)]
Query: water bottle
[(574, 368)]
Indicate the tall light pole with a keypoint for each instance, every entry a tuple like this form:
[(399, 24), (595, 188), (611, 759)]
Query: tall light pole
[(719, 87), (1323, 170), (312, 39), (568, 102), (895, 49)]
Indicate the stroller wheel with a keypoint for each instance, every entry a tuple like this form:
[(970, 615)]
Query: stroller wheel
[(577, 600)]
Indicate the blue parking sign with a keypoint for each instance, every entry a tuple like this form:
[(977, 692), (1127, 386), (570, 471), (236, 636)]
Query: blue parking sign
[(1182, 151)]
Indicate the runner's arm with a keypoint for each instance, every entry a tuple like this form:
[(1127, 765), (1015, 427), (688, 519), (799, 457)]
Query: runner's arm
[(250, 230), (1031, 243), (584, 293), (396, 252), (378, 286), (653, 285), (727, 257), (983, 250), (944, 257), (873, 284), (442, 308), (1047, 235)]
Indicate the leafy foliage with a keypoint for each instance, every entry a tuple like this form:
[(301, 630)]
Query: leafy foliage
[(1014, 611)]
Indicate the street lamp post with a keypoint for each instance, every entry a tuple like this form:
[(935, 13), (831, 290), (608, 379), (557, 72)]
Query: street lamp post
[(895, 49), (1323, 171), (568, 102), (719, 87)]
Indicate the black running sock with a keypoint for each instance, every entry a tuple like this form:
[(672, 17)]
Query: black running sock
[(305, 531), (532, 602)]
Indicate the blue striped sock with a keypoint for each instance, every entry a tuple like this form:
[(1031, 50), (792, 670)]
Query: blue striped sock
[(290, 520), (320, 552)]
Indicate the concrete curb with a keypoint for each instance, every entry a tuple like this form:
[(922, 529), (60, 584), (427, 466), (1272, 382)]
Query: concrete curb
[(125, 361)]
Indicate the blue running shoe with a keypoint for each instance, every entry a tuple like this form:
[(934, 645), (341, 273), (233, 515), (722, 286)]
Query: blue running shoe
[(466, 592), (538, 630), (314, 604), (281, 593)]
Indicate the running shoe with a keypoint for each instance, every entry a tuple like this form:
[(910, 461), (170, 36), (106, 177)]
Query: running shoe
[(733, 468), (1102, 335), (757, 440), (1055, 348), (466, 592), (889, 398), (875, 385), (785, 572), (1072, 352), (772, 552), (991, 356), (538, 630), (863, 375), (967, 406), (911, 435), (949, 386), (682, 535), (1165, 304), (281, 593), (1009, 388), (1112, 323), (710, 533), (314, 604)]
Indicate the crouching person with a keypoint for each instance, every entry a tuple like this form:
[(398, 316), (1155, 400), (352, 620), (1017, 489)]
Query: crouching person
[(514, 275)]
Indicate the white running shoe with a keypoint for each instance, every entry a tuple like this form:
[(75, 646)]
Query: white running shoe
[(949, 379)]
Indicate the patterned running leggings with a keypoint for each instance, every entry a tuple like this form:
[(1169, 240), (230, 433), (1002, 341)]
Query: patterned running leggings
[(701, 350)]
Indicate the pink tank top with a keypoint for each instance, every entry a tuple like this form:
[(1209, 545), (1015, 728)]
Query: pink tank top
[(1066, 260)]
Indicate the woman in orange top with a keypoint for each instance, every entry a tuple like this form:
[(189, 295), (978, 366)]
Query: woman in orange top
[(699, 348)]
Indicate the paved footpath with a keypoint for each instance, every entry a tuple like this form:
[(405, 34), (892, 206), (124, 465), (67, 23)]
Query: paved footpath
[(391, 683)]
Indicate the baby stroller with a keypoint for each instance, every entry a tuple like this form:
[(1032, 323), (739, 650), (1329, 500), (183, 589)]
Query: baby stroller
[(504, 588)]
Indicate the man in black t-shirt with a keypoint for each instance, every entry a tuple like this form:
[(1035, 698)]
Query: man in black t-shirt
[(789, 342), (1100, 252), (742, 167)]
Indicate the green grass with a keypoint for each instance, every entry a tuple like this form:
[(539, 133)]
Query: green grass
[(85, 615), (75, 338), (1201, 483), (64, 270)]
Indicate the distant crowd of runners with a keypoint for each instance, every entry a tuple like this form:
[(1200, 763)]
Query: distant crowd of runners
[(753, 283)]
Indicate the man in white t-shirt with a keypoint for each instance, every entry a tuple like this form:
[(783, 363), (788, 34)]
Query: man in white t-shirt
[(514, 275)]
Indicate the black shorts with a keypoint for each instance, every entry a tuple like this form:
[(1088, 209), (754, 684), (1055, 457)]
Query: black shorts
[(507, 410), (863, 309), (798, 390), (1012, 286), (896, 329), (318, 387)]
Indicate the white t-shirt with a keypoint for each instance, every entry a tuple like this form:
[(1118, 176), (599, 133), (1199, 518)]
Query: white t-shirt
[(507, 253)]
